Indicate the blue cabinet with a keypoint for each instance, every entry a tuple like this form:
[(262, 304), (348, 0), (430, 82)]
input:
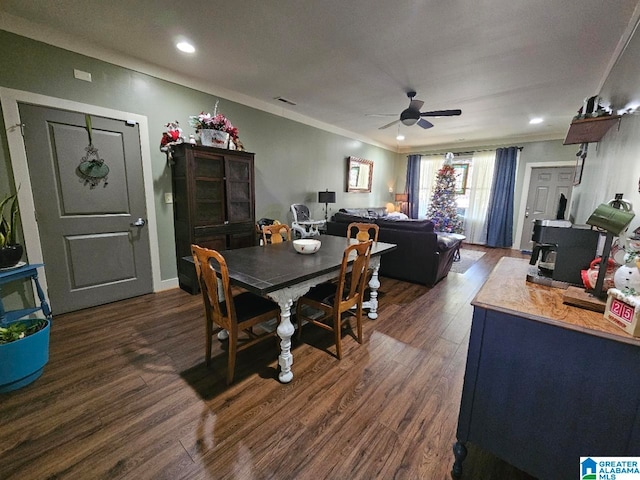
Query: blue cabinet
[(546, 383), (17, 273), (22, 361)]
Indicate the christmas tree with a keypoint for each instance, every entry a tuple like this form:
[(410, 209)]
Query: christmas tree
[(443, 208)]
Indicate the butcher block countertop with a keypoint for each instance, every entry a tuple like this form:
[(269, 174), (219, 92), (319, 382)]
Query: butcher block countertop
[(507, 290)]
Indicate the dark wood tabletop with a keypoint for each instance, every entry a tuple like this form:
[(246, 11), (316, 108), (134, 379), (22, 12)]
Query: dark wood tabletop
[(272, 267)]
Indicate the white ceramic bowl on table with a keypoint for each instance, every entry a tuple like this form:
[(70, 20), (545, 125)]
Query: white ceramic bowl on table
[(306, 245)]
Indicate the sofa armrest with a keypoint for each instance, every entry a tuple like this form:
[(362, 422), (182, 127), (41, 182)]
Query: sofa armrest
[(445, 242)]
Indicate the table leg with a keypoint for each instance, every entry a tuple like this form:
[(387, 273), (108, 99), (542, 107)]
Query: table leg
[(456, 254), (285, 332), (43, 300), (374, 285), (460, 453)]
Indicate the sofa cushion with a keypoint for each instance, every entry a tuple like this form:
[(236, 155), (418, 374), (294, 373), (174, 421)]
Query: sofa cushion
[(342, 217), (411, 224), (369, 212), (377, 212), (356, 212)]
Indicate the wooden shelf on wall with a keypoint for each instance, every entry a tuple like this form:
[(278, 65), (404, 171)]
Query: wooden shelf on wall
[(587, 130)]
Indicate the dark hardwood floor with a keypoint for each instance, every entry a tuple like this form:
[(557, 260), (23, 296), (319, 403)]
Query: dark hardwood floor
[(126, 395)]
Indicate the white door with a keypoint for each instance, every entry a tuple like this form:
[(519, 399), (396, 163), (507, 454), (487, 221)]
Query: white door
[(95, 241), (545, 188)]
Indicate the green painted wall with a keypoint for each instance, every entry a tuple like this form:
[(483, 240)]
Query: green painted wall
[(613, 165), (293, 161)]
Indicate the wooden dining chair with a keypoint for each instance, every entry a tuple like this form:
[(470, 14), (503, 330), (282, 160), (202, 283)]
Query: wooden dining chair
[(236, 314), (341, 299), (276, 233), (363, 231)]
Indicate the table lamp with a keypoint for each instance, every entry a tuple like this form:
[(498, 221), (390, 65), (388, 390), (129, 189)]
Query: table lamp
[(402, 198), (326, 197), (613, 218)]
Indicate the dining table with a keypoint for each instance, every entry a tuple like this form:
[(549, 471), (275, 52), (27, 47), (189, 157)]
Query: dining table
[(278, 272)]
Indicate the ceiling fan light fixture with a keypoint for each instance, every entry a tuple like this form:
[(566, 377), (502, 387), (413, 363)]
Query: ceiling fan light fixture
[(409, 121)]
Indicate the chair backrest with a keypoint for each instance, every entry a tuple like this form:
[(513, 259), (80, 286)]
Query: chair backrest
[(300, 212), (215, 288), (351, 287), (276, 233), (363, 231)]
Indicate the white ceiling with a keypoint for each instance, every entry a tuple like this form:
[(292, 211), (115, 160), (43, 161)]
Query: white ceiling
[(502, 62)]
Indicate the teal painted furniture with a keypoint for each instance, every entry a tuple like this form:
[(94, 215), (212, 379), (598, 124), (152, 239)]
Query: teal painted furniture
[(23, 361)]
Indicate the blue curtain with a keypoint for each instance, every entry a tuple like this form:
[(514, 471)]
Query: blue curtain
[(500, 211), (412, 187)]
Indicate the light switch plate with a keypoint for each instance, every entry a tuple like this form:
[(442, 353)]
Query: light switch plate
[(168, 198)]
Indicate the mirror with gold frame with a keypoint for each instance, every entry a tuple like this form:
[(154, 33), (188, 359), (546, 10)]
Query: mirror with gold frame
[(359, 175)]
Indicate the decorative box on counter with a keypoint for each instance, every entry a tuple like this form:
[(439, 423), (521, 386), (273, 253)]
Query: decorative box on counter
[(624, 311)]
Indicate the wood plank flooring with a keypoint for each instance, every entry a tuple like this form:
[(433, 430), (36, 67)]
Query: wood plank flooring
[(126, 395)]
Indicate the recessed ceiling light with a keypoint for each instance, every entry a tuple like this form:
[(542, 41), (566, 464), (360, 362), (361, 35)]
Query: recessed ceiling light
[(400, 137), (185, 47), (536, 120)]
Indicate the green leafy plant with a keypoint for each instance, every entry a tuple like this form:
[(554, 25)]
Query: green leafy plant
[(16, 331), (8, 226)]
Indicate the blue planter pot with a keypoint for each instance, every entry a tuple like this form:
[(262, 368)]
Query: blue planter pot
[(22, 361)]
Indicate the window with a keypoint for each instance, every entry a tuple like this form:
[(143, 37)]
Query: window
[(472, 204)]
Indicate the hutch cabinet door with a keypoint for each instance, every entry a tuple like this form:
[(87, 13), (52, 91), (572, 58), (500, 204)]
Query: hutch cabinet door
[(208, 189), (240, 189)]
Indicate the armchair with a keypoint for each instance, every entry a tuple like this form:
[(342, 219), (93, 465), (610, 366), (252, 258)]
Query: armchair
[(302, 224)]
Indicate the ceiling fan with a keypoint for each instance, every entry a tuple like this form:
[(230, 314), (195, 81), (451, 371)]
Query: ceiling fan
[(412, 114)]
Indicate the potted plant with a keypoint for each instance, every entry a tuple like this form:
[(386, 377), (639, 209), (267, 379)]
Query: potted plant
[(24, 351), (10, 251), (215, 130)]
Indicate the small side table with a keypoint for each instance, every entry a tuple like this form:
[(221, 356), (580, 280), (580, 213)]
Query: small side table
[(461, 238), (16, 273)]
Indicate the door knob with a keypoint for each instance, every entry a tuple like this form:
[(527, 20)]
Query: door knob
[(140, 222)]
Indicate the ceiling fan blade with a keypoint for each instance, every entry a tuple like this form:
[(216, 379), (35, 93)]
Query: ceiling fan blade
[(441, 113), (389, 124), (416, 104), (425, 123)]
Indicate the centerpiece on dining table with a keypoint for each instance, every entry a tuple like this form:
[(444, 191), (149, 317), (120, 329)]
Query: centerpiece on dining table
[(215, 130), (306, 245)]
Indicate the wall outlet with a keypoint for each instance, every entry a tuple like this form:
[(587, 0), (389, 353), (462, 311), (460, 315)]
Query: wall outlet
[(168, 198), (80, 75)]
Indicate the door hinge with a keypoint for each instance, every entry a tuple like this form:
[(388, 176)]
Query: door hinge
[(20, 126)]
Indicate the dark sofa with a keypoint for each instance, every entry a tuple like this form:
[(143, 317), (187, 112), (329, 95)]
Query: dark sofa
[(423, 256)]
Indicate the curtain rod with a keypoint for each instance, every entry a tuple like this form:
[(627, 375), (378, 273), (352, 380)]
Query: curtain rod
[(471, 152)]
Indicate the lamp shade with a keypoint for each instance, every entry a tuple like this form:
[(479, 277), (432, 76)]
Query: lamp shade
[(402, 197), (327, 197)]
